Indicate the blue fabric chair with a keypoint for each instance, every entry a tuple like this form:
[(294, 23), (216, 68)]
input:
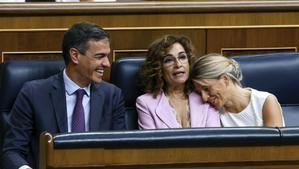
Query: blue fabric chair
[(278, 74), (275, 72), (13, 75), (124, 74)]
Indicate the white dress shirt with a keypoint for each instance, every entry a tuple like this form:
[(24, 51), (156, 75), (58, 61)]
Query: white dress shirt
[(70, 93)]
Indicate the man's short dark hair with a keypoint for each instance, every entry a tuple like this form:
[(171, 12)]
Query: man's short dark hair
[(78, 37)]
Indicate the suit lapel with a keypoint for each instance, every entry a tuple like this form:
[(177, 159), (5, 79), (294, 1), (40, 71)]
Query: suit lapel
[(195, 105), (165, 112), (96, 107), (57, 95)]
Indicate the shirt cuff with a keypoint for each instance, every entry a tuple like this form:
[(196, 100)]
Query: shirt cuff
[(25, 167)]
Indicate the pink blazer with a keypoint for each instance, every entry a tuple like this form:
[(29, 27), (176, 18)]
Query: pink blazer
[(157, 113)]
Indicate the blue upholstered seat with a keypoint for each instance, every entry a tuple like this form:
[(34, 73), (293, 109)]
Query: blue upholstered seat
[(13, 75), (278, 74), (124, 74)]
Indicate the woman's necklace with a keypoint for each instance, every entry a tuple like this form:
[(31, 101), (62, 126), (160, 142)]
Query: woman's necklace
[(180, 107)]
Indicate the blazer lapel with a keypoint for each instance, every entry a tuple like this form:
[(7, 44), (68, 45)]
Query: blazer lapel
[(96, 107), (195, 105), (57, 96), (165, 112)]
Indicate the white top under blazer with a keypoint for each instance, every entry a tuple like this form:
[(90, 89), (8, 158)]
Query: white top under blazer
[(252, 115)]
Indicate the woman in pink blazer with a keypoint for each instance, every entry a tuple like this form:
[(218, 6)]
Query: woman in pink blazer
[(169, 102)]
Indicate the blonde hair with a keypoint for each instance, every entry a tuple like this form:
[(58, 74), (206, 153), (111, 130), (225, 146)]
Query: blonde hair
[(213, 65)]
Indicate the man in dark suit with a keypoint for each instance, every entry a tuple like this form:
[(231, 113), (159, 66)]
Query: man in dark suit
[(51, 104)]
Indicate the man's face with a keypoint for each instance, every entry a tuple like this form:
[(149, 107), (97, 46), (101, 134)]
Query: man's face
[(90, 66)]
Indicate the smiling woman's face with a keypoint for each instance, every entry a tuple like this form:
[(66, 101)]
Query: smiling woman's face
[(213, 91)]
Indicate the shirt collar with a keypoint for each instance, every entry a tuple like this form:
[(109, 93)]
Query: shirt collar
[(71, 87)]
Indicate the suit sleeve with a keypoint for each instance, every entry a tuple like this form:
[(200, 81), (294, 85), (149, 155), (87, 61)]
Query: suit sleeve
[(118, 118), (19, 134), (145, 119)]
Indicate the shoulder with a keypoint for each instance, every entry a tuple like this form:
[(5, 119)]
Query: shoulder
[(260, 94), (105, 86), (196, 100), (263, 98), (43, 84), (271, 99), (148, 97), (195, 97)]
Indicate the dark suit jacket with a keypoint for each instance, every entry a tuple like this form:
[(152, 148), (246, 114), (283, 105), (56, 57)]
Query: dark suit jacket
[(41, 106)]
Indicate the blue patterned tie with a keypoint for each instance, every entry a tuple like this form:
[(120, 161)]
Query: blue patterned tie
[(78, 122)]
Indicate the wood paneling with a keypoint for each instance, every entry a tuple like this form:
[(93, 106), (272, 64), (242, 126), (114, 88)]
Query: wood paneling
[(31, 55), (146, 14), (40, 41), (142, 38), (252, 38), (151, 20), (251, 51), (30, 40)]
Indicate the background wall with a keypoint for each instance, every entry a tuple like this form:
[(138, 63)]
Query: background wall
[(35, 30)]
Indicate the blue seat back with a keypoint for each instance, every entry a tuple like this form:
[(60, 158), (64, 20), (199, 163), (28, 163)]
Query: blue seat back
[(13, 75), (125, 75), (278, 74)]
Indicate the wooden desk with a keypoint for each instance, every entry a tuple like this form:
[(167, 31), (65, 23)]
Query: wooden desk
[(234, 157)]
